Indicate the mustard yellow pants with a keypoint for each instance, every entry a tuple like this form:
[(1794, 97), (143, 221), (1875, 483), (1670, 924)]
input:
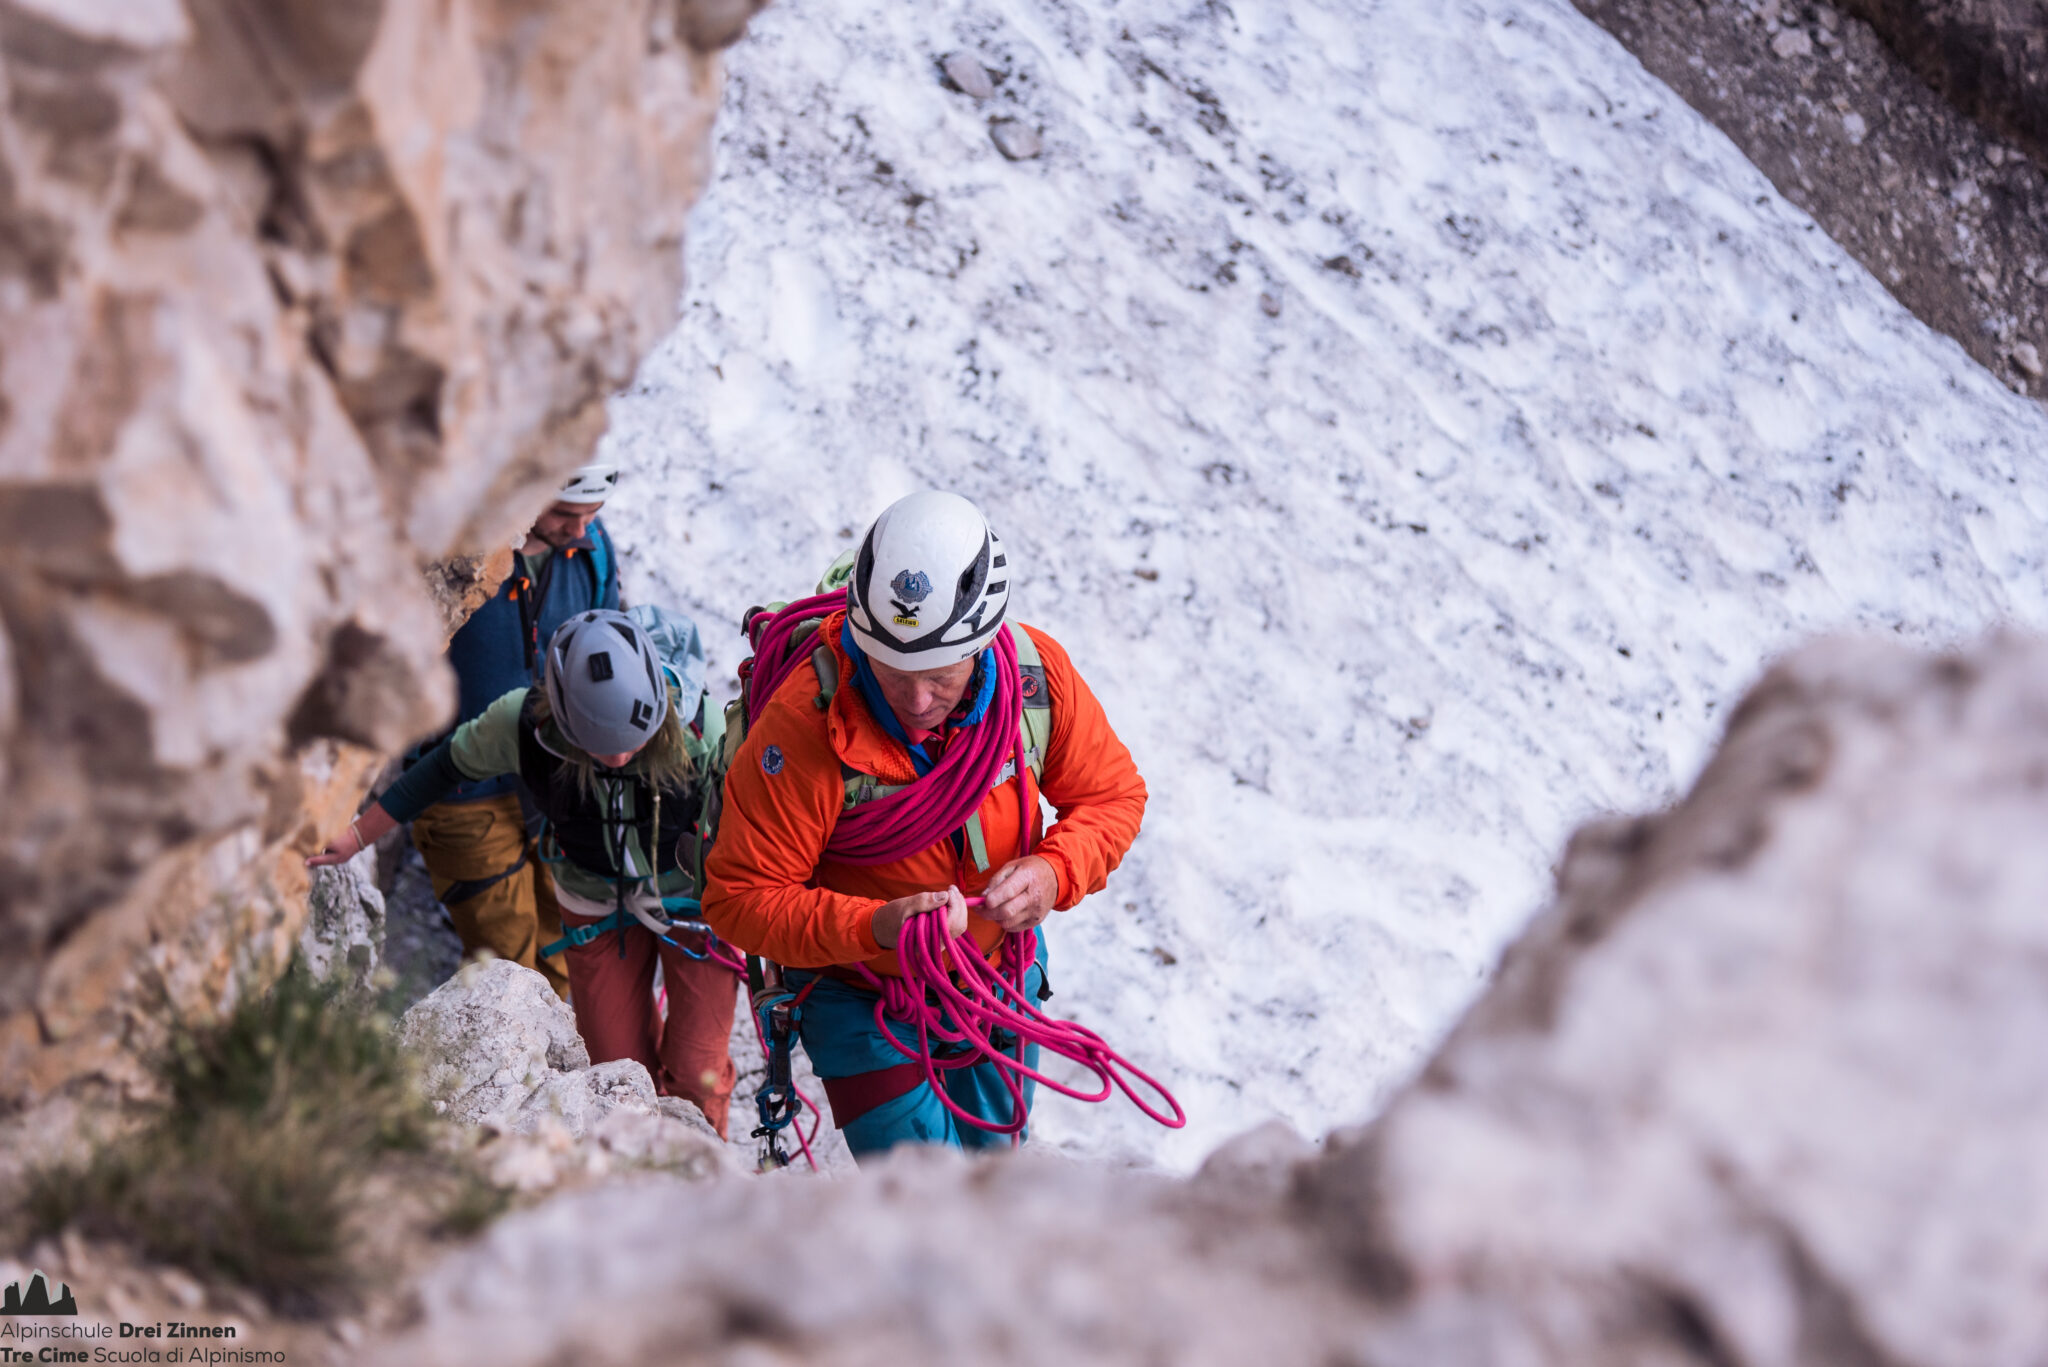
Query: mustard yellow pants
[(487, 873)]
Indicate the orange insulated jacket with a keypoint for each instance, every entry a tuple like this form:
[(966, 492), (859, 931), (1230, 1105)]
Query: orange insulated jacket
[(771, 890)]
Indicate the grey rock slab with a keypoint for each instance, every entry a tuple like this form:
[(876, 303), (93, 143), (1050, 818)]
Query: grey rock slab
[(1771, 1057), (345, 923), (1793, 42), (580, 1099), (1258, 1163), (1017, 141), (966, 71), (489, 1038)]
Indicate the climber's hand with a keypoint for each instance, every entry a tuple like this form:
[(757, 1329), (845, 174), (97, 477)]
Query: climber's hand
[(339, 850), (1021, 894), (890, 916), (362, 833)]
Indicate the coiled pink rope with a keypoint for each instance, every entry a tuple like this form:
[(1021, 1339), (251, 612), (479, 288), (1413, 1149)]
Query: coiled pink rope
[(770, 634), (951, 994), (944, 799), (937, 804)]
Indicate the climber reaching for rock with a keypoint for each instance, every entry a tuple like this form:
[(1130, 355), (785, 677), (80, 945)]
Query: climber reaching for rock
[(612, 744), (849, 811)]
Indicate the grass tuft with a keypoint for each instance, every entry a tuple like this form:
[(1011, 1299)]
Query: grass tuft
[(276, 1116)]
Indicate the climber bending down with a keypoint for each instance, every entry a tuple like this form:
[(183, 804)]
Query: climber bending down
[(612, 750)]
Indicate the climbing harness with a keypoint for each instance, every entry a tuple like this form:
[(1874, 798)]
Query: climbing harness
[(464, 889), (683, 916)]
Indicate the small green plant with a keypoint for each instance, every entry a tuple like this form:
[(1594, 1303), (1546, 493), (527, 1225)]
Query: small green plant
[(275, 1116), (472, 1206)]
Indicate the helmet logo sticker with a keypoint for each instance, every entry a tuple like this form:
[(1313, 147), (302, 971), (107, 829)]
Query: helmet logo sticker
[(912, 587), (771, 760), (600, 666), (643, 713), (1028, 685)]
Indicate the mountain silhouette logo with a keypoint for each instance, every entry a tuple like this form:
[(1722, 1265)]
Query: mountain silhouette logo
[(36, 1300)]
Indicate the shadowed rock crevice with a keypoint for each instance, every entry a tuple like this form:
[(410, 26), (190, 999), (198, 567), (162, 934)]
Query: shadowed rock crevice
[(1989, 57)]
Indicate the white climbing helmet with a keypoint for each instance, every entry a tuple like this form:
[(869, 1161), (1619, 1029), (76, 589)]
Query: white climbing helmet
[(591, 483), (930, 583), (604, 683)]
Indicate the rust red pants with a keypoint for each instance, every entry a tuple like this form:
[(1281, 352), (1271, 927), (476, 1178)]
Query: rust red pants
[(689, 1054)]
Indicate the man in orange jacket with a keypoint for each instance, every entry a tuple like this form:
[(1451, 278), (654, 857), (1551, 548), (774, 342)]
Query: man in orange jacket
[(927, 598)]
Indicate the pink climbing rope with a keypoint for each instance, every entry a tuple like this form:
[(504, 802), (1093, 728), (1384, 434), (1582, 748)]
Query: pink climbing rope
[(725, 956), (950, 993), (942, 801), (937, 804), (774, 660)]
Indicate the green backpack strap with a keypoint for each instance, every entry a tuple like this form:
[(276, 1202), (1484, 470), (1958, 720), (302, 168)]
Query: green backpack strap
[(1034, 726), (1037, 723)]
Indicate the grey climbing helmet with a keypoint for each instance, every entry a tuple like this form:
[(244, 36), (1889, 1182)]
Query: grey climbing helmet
[(604, 683)]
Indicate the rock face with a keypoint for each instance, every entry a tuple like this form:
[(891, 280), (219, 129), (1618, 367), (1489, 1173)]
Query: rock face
[(294, 298), (491, 1036), (345, 923), (500, 1050), (1762, 1087)]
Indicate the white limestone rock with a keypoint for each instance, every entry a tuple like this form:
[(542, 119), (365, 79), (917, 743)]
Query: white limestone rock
[(344, 928), (965, 70), (489, 1038), (1259, 1163), (580, 1099), (1765, 1085), (1017, 141)]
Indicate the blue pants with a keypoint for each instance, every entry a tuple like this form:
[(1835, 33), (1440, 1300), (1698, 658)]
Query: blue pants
[(838, 1032)]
